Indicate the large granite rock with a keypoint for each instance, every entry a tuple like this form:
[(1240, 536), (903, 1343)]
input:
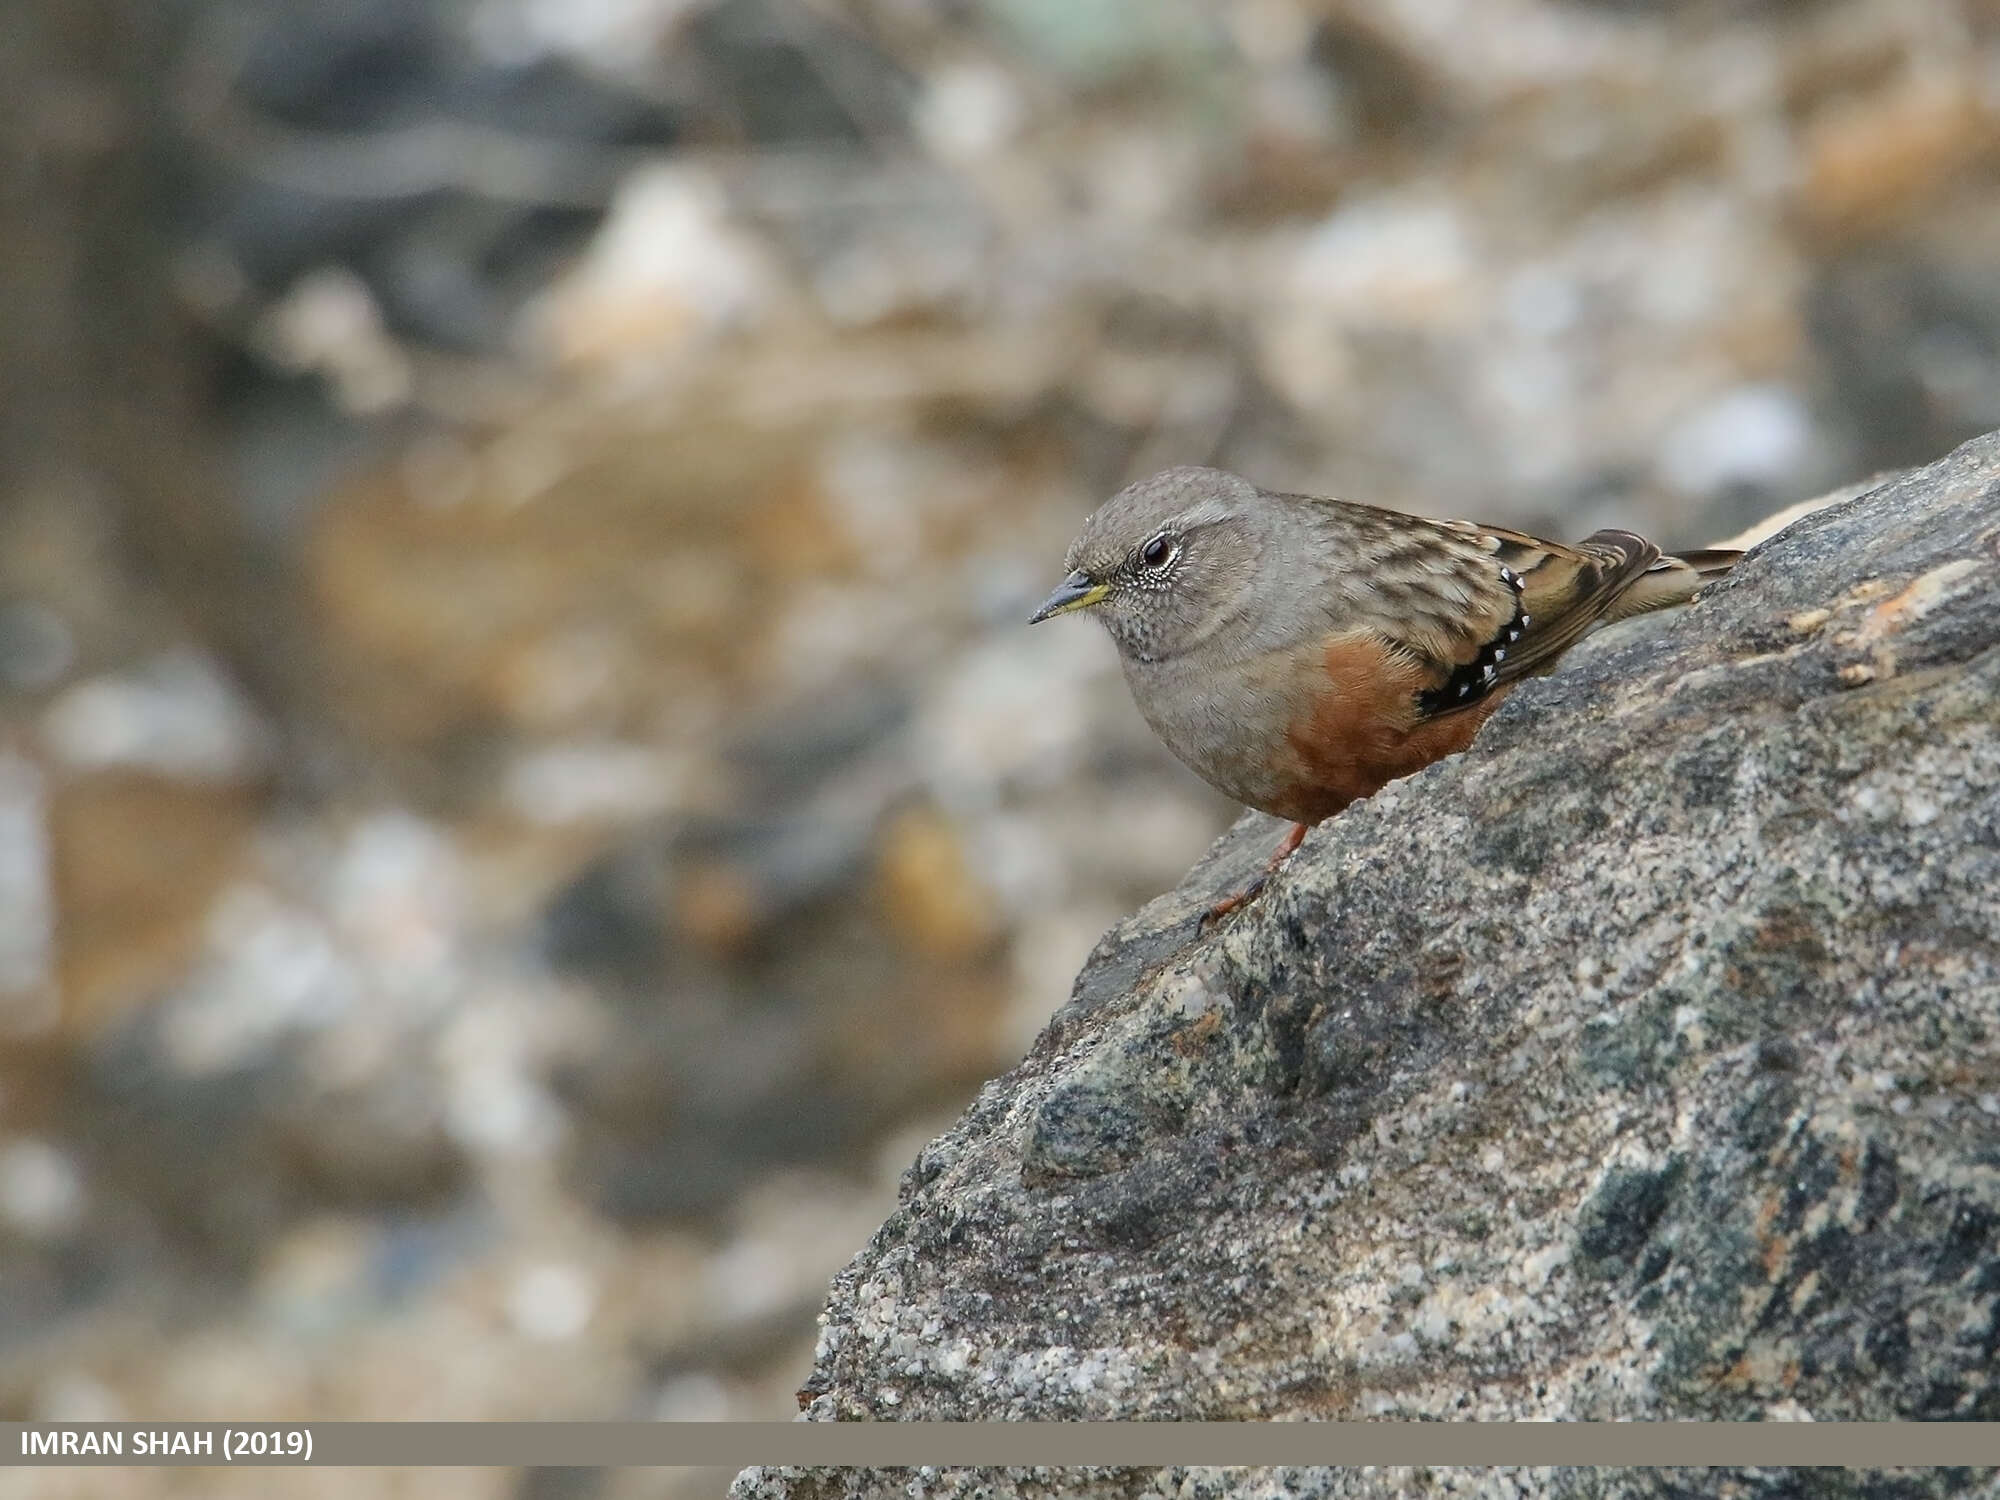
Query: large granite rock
[(1185, 1482), (1643, 1062)]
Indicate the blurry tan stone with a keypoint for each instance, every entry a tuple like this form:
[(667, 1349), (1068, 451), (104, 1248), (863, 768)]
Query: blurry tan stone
[(701, 592), (669, 269), (29, 1002), (716, 904), (1868, 164), (1618, 135), (317, 1264), (330, 324), (456, 1358), (794, 535), (137, 860), (348, 1148), (566, 678), (944, 1022), (1828, 65), (930, 896), (652, 1290), (505, 612), (226, 1369)]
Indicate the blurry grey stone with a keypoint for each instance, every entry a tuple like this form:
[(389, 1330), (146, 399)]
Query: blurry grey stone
[(41, 1192), (1754, 436), (669, 268), (875, 241), (375, 135), (1382, 91), (1114, 38), (271, 971), (27, 902), (968, 110), (1907, 336), (218, 1163), (178, 716), (592, 782), (73, 1396), (783, 73), (1630, 1066), (328, 323), (812, 783), (549, 1303), (36, 647)]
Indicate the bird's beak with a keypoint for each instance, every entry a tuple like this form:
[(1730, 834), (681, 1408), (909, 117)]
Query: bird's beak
[(1075, 592)]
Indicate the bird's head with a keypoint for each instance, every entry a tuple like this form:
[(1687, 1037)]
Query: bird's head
[(1165, 563)]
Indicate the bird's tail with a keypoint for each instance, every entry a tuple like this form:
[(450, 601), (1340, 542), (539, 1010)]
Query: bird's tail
[(1711, 564), (1673, 579)]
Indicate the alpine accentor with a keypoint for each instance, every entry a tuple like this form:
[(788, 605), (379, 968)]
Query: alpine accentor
[(1299, 653)]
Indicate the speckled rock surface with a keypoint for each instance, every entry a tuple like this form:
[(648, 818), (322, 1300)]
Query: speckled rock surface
[(1642, 1062), (1186, 1483)]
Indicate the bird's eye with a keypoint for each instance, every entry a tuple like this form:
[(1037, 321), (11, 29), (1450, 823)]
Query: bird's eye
[(1158, 551)]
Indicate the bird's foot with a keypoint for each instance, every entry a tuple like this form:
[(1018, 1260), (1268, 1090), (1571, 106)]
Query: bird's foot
[(1239, 899), (1234, 901)]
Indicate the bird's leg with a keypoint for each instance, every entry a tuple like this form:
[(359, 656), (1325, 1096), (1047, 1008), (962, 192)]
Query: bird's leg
[(1251, 891)]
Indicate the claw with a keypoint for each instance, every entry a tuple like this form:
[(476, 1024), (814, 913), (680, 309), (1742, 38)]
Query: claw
[(1232, 903), (1255, 888)]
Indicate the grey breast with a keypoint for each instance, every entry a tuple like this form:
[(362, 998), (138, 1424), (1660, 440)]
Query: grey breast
[(1224, 721)]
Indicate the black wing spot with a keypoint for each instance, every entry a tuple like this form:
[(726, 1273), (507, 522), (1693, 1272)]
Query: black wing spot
[(1471, 682)]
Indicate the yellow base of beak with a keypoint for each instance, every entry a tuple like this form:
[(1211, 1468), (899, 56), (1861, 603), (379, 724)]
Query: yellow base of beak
[(1075, 592)]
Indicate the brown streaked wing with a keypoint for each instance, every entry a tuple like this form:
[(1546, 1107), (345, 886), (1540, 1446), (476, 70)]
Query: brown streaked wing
[(1432, 591), (1444, 601), (1564, 591)]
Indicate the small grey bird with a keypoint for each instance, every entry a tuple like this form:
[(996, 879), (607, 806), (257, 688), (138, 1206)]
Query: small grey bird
[(1300, 653)]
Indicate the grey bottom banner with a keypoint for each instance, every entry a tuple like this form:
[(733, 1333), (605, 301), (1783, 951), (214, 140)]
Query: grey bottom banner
[(959, 1444)]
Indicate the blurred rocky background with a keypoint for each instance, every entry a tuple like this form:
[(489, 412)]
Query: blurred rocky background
[(524, 792)]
